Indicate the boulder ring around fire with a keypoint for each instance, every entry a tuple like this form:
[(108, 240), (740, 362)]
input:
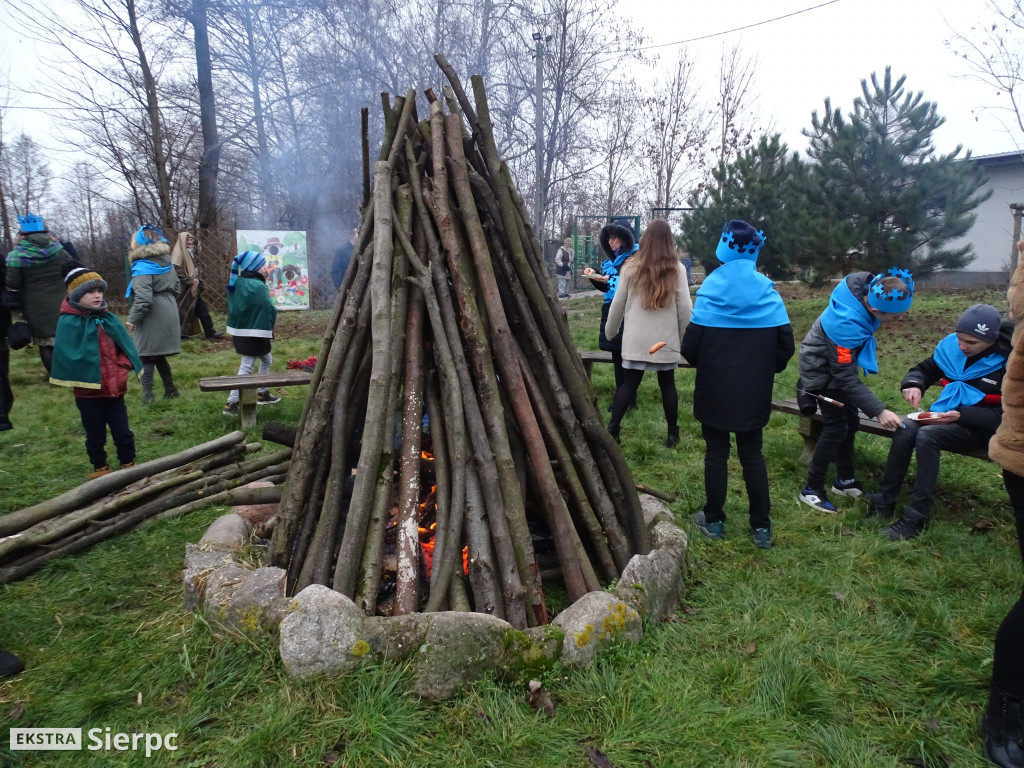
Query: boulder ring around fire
[(322, 632)]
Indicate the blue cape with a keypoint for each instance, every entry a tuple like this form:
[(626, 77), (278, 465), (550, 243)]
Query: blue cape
[(952, 361), (736, 295), (146, 267), (849, 324), (612, 268)]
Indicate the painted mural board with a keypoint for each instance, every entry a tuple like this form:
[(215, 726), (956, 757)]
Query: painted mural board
[(285, 252)]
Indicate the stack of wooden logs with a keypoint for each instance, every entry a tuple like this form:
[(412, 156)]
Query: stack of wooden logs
[(209, 474), (448, 311)]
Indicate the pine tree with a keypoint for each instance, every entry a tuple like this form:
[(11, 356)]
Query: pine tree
[(878, 194), (761, 186)]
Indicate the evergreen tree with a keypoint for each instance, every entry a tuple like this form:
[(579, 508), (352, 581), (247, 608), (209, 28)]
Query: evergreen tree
[(878, 194), (761, 186)]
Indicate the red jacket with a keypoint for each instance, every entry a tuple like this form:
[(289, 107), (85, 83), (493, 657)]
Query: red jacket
[(114, 365)]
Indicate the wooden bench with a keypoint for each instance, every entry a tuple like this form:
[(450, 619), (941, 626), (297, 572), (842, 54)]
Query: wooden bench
[(810, 429), (600, 356), (248, 385)]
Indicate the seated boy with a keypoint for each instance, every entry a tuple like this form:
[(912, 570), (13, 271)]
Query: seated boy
[(841, 340), (969, 364)]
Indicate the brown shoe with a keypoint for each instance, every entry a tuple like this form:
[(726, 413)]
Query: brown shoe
[(99, 472), (127, 464)]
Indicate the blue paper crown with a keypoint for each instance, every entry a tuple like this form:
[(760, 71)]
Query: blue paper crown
[(896, 300), (31, 223), (149, 234), (729, 250)]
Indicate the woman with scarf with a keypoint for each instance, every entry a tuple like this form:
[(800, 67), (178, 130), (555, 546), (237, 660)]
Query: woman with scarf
[(969, 364), (153, 318), (618, 244), (840, 341), (739, 337), (34, 284), (652, 304)]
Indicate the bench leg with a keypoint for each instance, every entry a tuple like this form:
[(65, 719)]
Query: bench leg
[(588, 366), (809, 430), (247, 407)]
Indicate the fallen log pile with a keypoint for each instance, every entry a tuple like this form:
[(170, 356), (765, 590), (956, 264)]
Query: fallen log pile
[(208, 474), (450, 418)]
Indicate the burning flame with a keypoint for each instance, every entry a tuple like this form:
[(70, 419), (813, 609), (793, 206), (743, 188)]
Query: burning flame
[(428, 532)]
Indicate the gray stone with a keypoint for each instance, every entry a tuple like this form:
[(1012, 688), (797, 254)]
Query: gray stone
[(650, 584), (672, 538), (323, 634), (655, 510), (459, 648), (595, 621), (236, 598), (531, 652), (396, 637), (227, 532), (199, 561), (274, 613)]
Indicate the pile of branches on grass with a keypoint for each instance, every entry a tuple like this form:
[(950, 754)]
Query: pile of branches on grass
[(447, 333), (99, 509)]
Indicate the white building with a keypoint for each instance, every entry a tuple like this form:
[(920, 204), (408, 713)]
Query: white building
[(992, 234)]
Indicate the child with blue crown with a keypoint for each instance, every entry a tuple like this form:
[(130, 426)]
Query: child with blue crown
[(969, 365), (842, 340)]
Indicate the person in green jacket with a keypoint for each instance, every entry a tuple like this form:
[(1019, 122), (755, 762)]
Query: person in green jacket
[(34, 285), (251, 318)]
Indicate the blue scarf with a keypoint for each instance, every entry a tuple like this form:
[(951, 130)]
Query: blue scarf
[(736, 295), (952, 361), (145, 267), (849, 324), (612, 268)]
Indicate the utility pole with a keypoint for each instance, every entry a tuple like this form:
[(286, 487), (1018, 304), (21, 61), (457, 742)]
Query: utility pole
[(538, 214), (1017, 209)]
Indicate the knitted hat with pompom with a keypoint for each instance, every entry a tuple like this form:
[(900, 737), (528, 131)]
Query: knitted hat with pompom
[(80, 280)]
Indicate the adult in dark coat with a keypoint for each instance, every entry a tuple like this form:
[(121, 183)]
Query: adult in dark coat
[(6, 395), (34, 284), (618, 243), (342, 258), (739, 337)]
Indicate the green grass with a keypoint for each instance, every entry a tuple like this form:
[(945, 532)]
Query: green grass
[(837, 648)]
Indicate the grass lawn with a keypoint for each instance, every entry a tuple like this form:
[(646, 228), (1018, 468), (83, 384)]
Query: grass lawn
[(836, 648)]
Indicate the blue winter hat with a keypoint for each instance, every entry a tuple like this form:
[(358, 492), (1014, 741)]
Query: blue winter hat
[(30, 222), (149, 234), (895, 300), (248, 261), (739, 241)]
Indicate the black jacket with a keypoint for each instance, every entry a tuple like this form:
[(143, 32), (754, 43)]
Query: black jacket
[(982, 416), (736, 368)]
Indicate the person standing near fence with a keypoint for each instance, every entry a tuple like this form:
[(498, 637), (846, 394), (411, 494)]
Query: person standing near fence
[(191, 306), (564, 258), (738, 339), (153, 318), (251, 319)]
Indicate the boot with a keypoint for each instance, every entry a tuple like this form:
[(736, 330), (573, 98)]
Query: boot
[(1003, 728), (673, 437), (170, 390), (147, 383)]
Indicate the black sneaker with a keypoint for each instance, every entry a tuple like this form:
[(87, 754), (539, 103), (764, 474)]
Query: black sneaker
[(10, 665), (910, 525), (762, 538), (714, 531), (850, 488), (231, 409), (878, 507), (265, 398)]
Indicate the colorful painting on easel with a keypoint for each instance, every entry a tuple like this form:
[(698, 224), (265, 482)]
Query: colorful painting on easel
[(285, 252)]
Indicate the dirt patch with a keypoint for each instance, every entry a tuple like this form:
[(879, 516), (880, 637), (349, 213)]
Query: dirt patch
[(311, 323)]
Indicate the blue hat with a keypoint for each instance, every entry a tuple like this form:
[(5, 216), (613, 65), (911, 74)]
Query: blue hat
[(31, 223), (739, 241), (149, 234), (248, 261), (896, 300)]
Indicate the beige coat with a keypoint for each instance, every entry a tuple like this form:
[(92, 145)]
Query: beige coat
[(646, 327), (1006, 448)]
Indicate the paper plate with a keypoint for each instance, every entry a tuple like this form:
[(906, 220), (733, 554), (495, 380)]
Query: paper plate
[(922, 416)]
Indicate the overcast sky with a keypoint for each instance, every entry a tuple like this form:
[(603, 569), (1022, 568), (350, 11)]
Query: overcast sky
[(818, 52), (827, 51)]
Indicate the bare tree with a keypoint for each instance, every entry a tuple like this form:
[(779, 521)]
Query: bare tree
[(736, 99), (26, 176), (677, 127)]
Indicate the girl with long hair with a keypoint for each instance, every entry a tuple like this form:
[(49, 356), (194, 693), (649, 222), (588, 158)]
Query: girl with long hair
[(652, 304)]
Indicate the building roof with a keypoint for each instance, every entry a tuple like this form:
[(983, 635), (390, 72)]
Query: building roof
[(1015, 157)]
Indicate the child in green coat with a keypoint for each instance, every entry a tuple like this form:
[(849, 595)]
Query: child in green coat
[(251, 318)]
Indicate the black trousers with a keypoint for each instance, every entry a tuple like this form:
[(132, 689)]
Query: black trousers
[(838, 433), (1008, 661), (928, 441), (203, 314), (625, 395), (716, 474), (98, 413)]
